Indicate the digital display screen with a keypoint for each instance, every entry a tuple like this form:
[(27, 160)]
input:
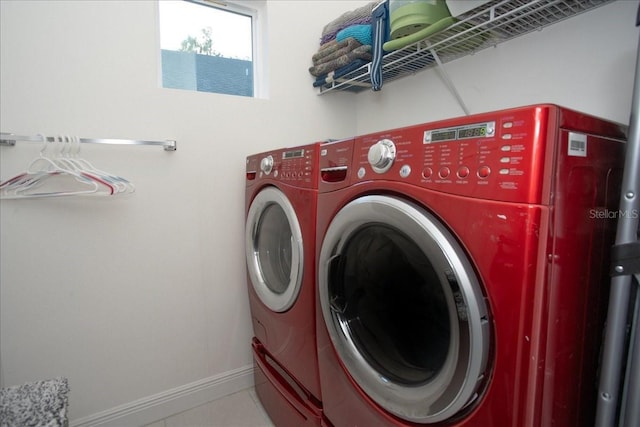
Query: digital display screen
[(477, 130), (293, 154), (443, 135), (472, 132)]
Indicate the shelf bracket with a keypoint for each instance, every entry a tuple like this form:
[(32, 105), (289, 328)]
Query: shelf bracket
[(447, 80)]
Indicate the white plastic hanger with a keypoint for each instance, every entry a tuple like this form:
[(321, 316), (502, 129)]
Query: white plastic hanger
[(45, 177), (121, 185)]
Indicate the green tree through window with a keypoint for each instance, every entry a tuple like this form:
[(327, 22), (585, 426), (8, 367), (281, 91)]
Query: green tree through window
[(203, 45), (207, 48)]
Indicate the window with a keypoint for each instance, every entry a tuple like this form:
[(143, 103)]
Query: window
[(207, 46)]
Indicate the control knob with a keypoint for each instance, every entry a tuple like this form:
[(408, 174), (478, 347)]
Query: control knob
[(266, 165), (381, 155)]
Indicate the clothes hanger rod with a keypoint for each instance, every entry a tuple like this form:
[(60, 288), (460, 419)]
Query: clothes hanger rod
[(9, 139)]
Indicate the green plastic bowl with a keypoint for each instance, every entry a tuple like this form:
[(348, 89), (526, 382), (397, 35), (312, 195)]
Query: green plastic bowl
[(414, 17)]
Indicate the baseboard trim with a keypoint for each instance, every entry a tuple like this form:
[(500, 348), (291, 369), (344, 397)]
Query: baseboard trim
[(162, 405)]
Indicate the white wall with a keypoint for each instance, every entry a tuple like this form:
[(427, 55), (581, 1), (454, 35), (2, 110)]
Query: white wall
[(131, 297), (586, 63)]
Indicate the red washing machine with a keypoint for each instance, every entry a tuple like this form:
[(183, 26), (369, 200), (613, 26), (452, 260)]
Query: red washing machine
[(281, 200), (462, 270)]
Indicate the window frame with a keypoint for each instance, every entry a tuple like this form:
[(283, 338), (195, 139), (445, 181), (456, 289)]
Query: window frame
[(253, 9)]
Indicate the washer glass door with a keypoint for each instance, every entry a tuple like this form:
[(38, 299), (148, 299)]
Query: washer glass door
[(403, 308), (274, 249)]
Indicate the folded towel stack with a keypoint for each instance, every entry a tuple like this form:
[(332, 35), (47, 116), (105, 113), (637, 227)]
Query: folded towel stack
[(345, 45), (361, 15), (337, 54)]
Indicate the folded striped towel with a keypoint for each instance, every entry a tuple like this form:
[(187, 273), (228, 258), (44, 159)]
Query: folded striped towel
[(380, 34)]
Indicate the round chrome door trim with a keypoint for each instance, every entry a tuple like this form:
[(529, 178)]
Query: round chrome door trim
[(458, 381), (275, 301)]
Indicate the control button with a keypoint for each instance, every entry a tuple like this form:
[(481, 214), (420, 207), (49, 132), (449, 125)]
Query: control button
[(505, 159), (504, 172), (266, 165), (463, 172), (444, 172), (381, 155), (505, 148), (427, 172), (484, 172), (506, 136), (405, 171), (507, 125)]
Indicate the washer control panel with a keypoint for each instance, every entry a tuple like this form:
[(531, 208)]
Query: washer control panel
[(498, 155), (295, 166)]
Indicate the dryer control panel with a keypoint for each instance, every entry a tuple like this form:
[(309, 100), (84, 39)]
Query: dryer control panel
[(507, 155), (295, 166)]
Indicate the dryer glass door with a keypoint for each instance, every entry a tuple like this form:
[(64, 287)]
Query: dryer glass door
[(274, 250), (403, 308)]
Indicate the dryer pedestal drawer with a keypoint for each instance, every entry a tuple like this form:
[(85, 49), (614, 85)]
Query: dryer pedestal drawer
[(281, 401)]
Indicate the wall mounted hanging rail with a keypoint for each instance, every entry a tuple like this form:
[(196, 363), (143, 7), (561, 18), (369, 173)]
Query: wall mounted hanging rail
[(9, 139)]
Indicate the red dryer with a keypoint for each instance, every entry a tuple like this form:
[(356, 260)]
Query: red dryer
[(462, 270), (281, 198)]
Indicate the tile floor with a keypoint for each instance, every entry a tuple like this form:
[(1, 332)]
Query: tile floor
[(242, 409)]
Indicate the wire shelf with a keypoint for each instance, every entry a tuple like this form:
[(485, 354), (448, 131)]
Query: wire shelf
[(486, 26)]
